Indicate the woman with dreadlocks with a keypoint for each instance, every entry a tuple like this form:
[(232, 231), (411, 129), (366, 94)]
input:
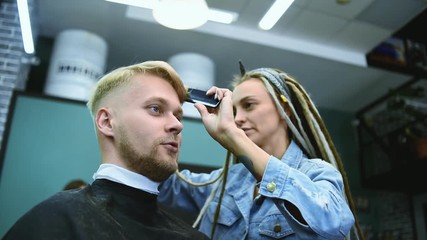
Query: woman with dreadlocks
[(286, 180)]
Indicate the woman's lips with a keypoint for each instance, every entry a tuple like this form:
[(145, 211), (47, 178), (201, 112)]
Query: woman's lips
[(247, 130)]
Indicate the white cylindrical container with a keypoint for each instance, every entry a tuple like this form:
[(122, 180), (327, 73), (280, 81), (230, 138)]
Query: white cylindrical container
[(78, 60), (196, 71)]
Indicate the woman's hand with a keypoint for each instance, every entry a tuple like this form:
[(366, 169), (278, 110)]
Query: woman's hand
[(219, 122)]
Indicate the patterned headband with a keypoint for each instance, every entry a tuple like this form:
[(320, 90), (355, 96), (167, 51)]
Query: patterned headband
[(275, 78)]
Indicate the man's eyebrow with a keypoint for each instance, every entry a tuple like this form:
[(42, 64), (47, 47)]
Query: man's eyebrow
[(161, 100)]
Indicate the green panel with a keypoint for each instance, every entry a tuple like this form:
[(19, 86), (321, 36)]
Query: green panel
[(49, 143), (198, 147), (343, 133)]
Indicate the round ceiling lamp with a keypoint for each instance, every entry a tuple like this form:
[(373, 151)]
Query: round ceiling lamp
[(181, 14)]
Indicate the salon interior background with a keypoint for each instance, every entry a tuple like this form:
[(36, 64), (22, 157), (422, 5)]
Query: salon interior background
[(322, 43)]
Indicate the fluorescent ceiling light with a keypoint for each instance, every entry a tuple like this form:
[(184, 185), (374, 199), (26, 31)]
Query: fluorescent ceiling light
[(24, 19), (137, 3), (273, 15), (222, 16), (214, 15)]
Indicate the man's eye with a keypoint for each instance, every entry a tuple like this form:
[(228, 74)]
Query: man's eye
[(155, 109)]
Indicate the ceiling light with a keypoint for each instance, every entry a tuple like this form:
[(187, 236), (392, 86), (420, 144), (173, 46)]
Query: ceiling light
[(170, 12), (222, 16), (136, 3), (24, 19), (273, 15), (181, 14)]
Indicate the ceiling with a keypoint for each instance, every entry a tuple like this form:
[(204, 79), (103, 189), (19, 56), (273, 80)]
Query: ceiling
[(321, 43)]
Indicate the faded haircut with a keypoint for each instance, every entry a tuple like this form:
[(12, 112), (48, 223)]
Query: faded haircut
[(124, 75)]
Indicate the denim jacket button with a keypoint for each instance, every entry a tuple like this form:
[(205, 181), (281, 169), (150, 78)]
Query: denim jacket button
[(271, 186), (277, 228)]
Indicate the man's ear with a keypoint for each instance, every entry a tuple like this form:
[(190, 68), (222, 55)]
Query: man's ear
[(103, 122)]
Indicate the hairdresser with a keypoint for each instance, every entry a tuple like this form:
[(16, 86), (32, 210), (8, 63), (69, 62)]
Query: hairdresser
[(282, 178)]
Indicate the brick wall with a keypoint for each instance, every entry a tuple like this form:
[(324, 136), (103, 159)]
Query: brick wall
[(14, 62)]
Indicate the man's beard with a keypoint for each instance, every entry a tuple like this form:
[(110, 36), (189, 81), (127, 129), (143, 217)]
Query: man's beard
[(149, 165)]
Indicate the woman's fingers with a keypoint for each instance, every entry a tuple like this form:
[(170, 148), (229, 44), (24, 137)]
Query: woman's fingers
[(219, 92)]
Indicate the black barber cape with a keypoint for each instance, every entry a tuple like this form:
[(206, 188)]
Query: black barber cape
[(102, 210)]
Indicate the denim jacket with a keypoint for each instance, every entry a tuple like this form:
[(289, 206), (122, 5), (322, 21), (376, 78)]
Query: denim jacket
[(314, 186)]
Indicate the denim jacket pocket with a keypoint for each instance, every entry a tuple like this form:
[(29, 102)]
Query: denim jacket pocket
[(275, 226), (227, 217)]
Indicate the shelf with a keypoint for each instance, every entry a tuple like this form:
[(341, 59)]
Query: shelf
[(391, 127), (394, 67), (389, 136)]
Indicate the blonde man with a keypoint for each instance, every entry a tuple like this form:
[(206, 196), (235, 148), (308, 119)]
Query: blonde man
[(137, 116)]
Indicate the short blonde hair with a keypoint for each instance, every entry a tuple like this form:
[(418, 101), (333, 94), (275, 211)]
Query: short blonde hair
[(124, 75)]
